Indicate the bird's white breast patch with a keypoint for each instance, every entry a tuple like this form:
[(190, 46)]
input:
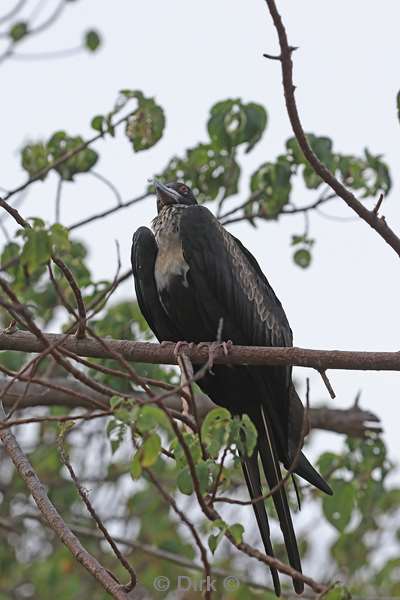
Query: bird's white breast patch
[(170, 261)]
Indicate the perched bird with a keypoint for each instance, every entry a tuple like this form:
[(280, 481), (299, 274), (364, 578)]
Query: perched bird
[(194, 279)]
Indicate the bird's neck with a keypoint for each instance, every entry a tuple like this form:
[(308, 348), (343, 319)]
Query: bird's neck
[(167, 221)]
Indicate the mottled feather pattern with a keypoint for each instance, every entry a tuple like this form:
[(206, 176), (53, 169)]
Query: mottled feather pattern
[(251, 286), (167, 221)]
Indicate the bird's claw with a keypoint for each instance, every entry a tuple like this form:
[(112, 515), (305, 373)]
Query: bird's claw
[(178, 346), (226, 346), (212, 350)]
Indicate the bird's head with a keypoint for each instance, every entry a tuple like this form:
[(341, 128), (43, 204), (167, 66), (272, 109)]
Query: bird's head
[(173, 193)]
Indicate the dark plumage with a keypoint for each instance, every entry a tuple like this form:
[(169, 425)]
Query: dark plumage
[(191, 277)]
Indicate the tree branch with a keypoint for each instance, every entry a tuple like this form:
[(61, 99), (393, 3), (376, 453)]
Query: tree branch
[(352, 421), (369, 216), (56, 163), (146, 352), (53, 518)]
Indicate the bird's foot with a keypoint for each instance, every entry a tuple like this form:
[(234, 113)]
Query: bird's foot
[(213, 348)]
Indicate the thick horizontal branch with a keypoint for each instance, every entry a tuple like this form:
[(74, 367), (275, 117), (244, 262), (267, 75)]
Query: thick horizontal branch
[(145, 352), (352, 421)]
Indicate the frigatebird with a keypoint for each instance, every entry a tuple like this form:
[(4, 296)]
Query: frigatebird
[(194, 279)]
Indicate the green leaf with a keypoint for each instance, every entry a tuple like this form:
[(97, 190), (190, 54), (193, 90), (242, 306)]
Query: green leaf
[(115, 402), (92, 40), (211, 173), (145, 127), (136, 467), (59, 238), (232, 123), (245, 435), (185, 482), (322, 147), (338, 508), (327, 462), (214, 540), (115, 432), (339, 592), (37, 248), (149, 417), (18, 31), (271, 186), (203, 476), (302, 258), (237, 531), (150, 450), (215, 430), (35, 158), (9, 254), (192, 441), (97, 123), (60, 144)]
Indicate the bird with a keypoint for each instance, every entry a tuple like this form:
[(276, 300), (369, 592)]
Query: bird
[(196, 282)]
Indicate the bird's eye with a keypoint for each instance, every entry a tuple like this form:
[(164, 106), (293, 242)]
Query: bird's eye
[(183, 189)]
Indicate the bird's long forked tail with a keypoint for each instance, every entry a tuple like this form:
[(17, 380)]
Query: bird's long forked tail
[(252, 477), (273, 476)]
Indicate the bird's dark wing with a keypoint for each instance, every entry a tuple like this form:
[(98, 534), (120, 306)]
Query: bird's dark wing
[(143, 256), (225, 273)]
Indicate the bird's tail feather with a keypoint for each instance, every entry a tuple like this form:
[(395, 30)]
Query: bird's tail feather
[(305, 469), (273, 475), (252, 477)]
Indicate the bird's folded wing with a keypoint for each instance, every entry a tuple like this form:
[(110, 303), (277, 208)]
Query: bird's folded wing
[(221, 267)]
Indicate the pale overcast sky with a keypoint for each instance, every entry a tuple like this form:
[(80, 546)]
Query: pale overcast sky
[(190, 55)]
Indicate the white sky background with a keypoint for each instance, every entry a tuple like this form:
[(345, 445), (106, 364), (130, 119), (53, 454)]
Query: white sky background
[(190, 55)]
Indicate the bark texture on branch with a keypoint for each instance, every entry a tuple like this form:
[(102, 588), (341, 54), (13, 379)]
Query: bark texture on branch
[(352, 421), (164, 354)]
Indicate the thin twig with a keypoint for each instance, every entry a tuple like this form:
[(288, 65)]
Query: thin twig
[(80, 332), (53, 419), (327, 383), (85, 499), (53, 518), (56, 163), (377, 206), (107, 212)]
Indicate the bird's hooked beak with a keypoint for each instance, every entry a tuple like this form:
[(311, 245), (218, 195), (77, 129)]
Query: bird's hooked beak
[(165, 194)]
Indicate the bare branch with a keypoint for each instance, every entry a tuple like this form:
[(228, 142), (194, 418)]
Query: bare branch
[(369, 216), (84, 495), (56, 163), (80, 332), (54, 519), (146, 352), (109, 211), (352, 421)]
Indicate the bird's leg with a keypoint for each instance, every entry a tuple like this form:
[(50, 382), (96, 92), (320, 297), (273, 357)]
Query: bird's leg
[(212, 350)]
